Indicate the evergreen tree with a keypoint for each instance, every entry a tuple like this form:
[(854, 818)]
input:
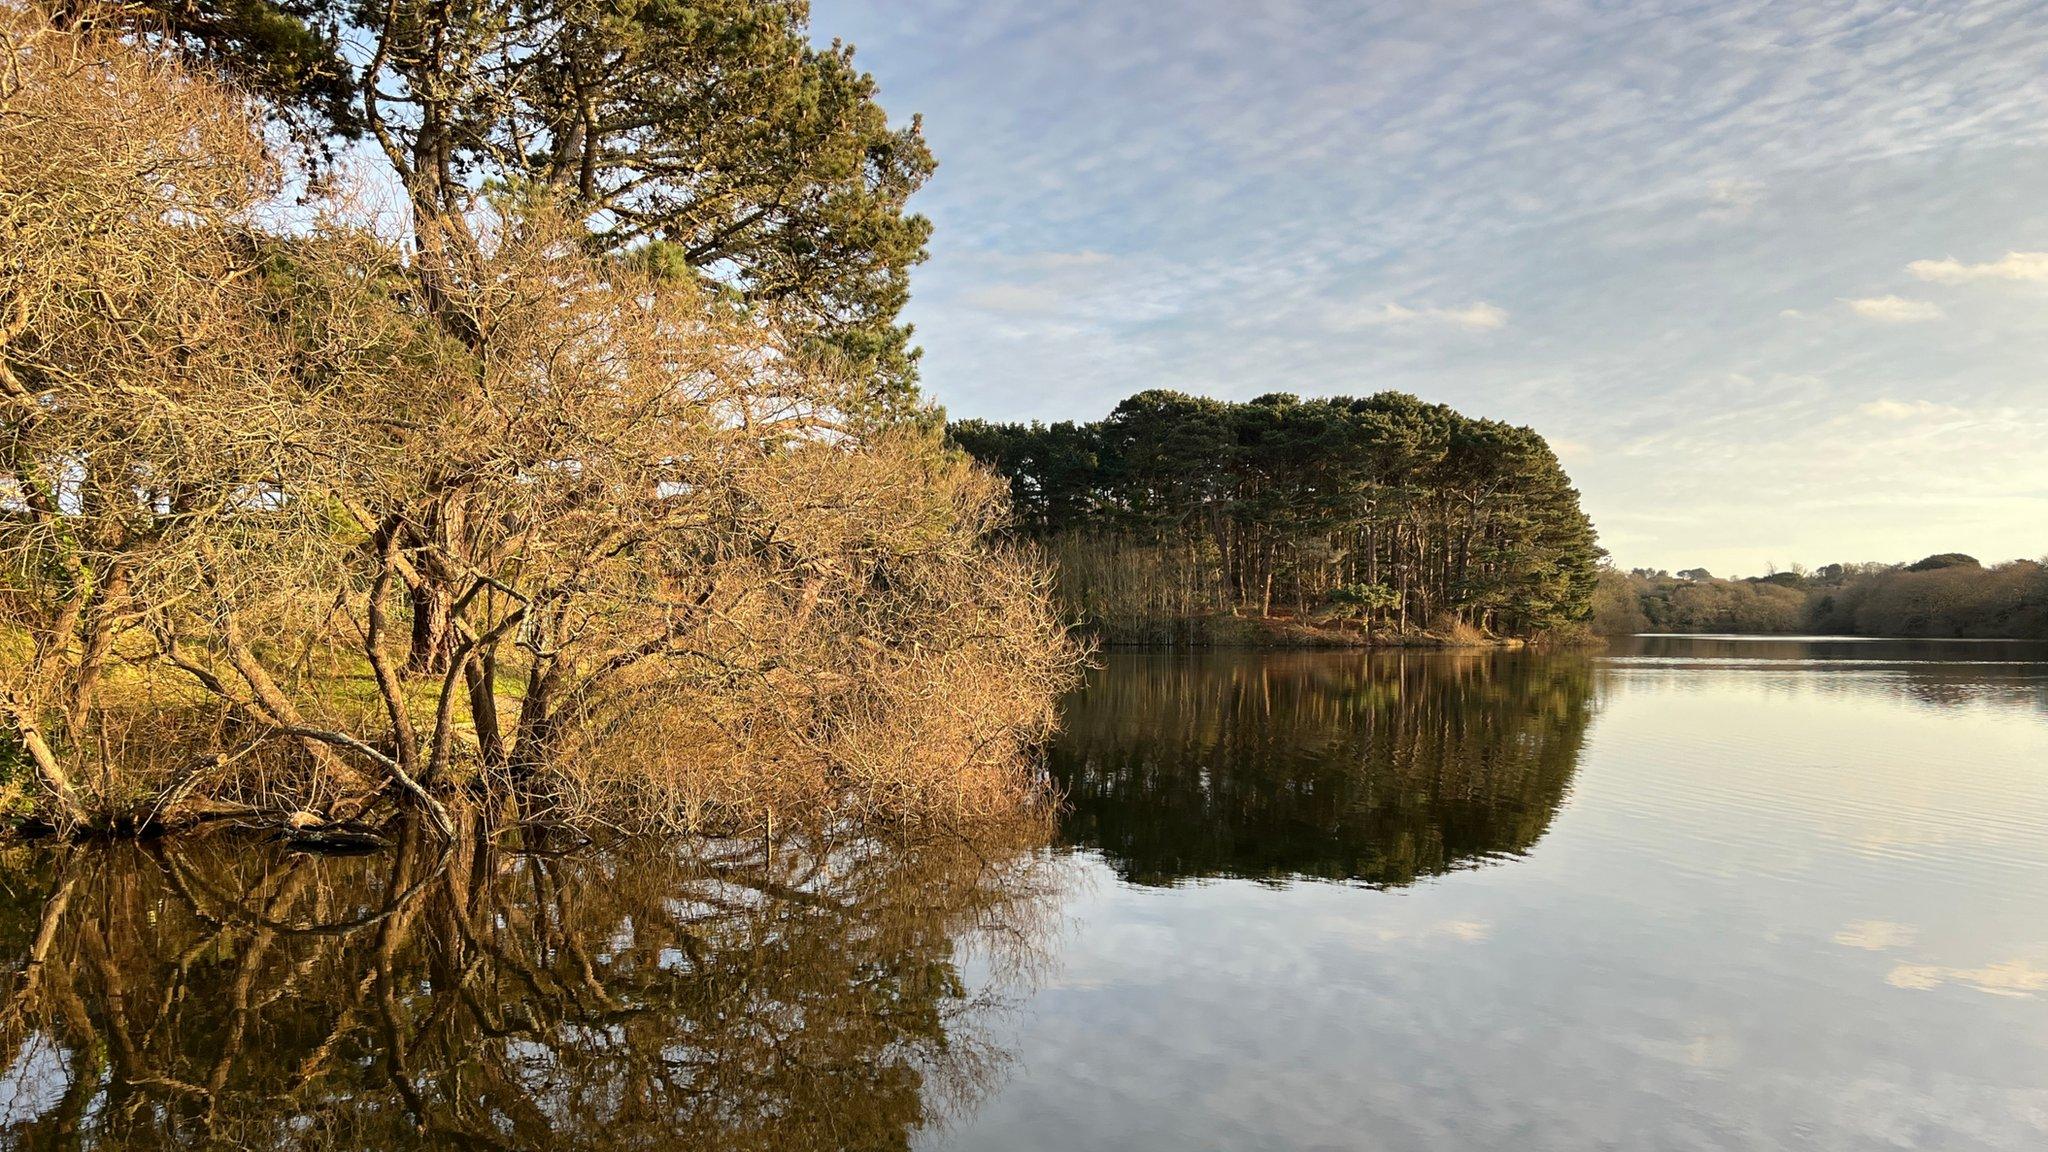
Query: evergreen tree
[(704, 137), (1383, 510)]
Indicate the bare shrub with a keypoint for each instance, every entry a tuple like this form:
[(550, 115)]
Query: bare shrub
[(683, 585), (1957, 600), (1456, 631), (134, 381)]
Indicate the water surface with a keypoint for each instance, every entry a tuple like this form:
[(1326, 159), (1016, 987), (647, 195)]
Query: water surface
[(1690, 893), (802, 993), (1694, 893)]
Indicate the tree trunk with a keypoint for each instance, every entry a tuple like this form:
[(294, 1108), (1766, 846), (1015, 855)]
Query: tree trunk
[(432, 650), (48, 768), (438, 549), (483, 708)]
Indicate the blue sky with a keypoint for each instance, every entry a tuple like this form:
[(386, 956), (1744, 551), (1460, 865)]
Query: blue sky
[(1761, 272)]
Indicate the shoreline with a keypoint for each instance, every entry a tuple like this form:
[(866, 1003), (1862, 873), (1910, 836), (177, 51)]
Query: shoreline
[(1246, 633)]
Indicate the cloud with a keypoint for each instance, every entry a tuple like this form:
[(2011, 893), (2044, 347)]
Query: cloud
[(1895, 309), (1888, 409), (1478, 316), (2014, 266), (1227, 206), (1087, 258)]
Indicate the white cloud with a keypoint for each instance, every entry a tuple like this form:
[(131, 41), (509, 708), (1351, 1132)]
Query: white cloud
[(1477, 316), (1047, 261), (2014, 266), (1228, 206), (1895, 309), (1888, 409)]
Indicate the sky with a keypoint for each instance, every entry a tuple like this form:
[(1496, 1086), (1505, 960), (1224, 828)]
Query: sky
[(1772, 278)]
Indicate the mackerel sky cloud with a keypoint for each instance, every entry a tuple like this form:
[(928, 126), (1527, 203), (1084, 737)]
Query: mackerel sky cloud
[(1895, 309), (2014, 266), (1715, 249)]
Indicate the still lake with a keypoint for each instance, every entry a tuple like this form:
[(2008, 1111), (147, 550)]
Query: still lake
[(1688, 893)]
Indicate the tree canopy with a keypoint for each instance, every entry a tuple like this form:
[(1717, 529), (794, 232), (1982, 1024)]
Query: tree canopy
[(1384, 508), (706, 137)]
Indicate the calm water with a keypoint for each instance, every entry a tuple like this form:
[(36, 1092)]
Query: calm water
[(1696, 893)]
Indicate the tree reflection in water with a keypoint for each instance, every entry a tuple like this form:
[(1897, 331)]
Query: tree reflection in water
[(805, 994), (1376, 769)]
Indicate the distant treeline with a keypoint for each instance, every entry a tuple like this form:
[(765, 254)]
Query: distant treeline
[(1948, 595), (1178, 517)]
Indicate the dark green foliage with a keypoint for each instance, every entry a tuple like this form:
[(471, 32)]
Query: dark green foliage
[(705, 137), (287, 52), (1381, 510), (1052, 469), (1944, 560), (716, 132)]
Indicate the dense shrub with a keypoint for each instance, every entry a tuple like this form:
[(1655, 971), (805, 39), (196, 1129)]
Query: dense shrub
[(680, 578)]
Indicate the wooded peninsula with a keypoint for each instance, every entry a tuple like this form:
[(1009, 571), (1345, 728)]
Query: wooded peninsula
[(1290, 521)]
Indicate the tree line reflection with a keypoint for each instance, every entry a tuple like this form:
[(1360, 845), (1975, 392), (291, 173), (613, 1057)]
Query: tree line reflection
[(1374, 769), (1936, 673), (800, 994)]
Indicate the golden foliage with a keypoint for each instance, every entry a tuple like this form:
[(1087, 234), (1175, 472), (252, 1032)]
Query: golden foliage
[(545, 528)]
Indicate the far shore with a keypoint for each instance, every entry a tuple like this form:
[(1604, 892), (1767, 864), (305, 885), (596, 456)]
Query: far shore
[(1285, 633)]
